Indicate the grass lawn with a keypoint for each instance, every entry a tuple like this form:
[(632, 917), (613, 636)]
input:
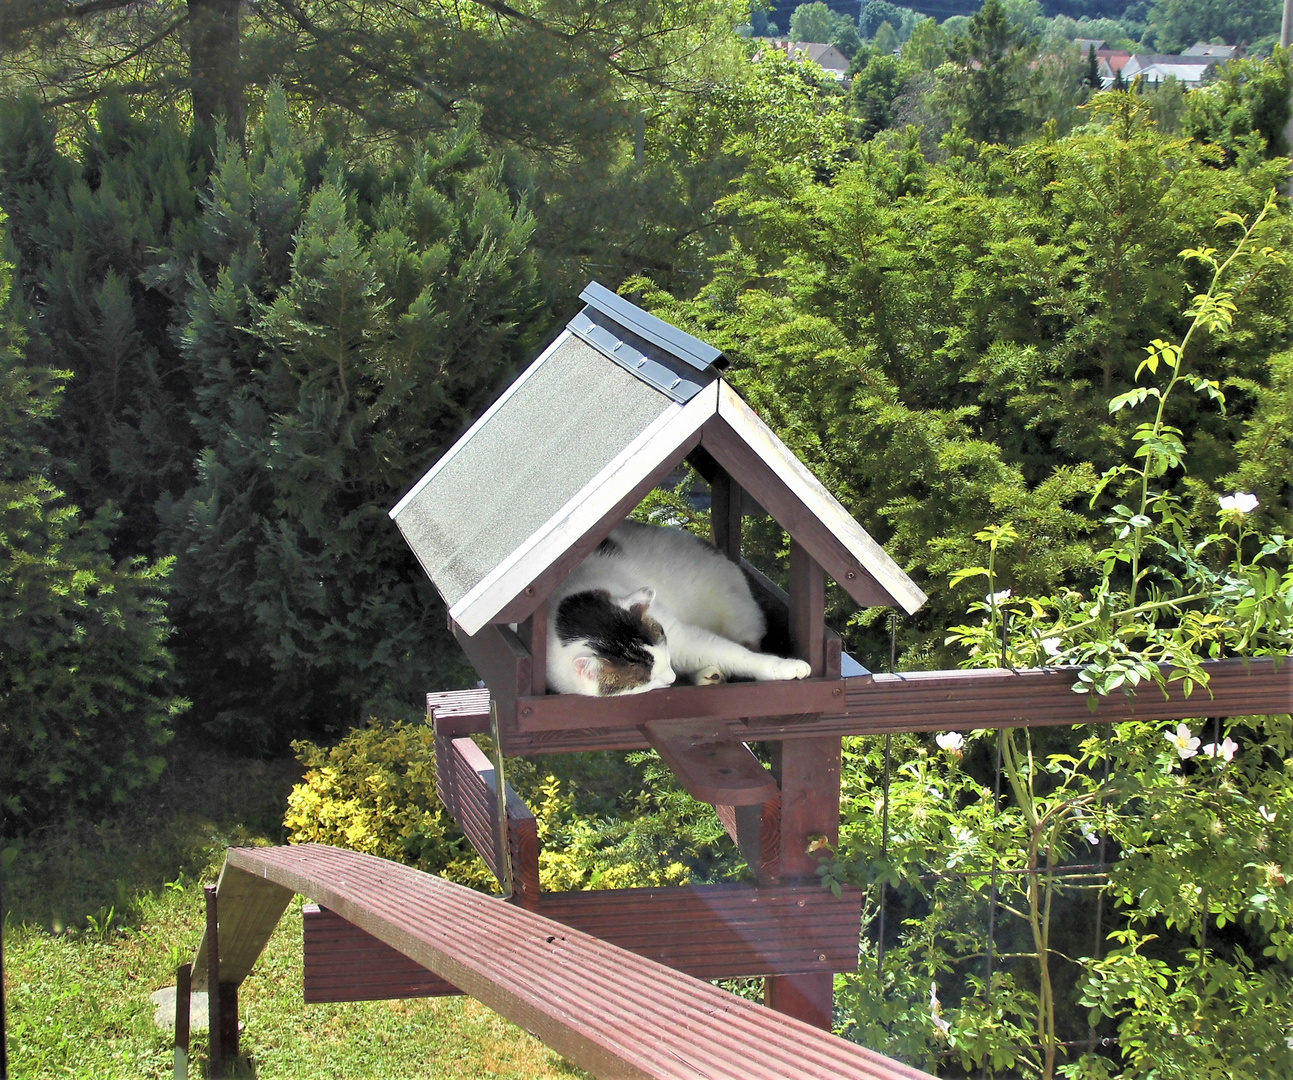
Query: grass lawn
[(99, 914)]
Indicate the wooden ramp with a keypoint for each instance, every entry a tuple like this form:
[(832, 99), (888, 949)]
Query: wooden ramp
[(614, 1013)]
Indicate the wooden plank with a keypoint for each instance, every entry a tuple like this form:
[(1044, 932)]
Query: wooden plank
[(708, 764), (345, 963), (603, 1008), (965, 700), (467, 785), (502, 661), (722, 931), (248, 914), (807, 608), (459, 712), (557, 712), (710, 931), (784, 486), (1044, 697)]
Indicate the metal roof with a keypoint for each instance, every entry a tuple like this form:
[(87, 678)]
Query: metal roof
[(565, 453)]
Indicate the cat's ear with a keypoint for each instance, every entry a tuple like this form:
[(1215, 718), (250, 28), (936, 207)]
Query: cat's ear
[(639, 601), (587, 667)]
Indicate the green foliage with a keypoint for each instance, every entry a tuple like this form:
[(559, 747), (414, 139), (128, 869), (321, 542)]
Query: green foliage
[(375, 792), (85, 675), (935, 340), (986, 88), (1177, 24), (257, 375), (1245, 109), (876, 88)]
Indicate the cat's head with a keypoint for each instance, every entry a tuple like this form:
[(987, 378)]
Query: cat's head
[(615, 646)]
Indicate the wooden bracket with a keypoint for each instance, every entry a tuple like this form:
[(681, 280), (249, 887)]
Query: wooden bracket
[(710, 765)]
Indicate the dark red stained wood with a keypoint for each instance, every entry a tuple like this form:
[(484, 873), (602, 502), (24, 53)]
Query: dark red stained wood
[(558, 712), (810, 802), (603, 1008), (1041, 697), (756, 831), (722, 931), (459, 712), (709, 765), (466, 784), (807, 608), (952, 700), (534, 636), (809, 771), (520, 608), (709, 931), (345, 963), (732, 452), (502, 661), (725, 514), (810, 998)]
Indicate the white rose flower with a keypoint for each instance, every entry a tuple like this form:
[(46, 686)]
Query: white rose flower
[(1241, 502), (1183, 741), (953, 741)]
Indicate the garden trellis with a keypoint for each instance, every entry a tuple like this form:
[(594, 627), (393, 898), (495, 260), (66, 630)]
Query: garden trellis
[(601, 418)]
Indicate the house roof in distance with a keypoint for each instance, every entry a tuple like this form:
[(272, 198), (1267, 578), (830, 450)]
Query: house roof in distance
[(570, 448)]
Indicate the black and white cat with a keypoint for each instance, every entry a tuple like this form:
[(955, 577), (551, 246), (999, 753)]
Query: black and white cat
[(650, 605)]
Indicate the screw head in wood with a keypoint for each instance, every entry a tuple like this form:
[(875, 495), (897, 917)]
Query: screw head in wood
[(851, 575), (836, 692), (822, 957), (527, 711)]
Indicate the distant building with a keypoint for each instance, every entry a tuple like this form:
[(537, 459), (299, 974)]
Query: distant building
[(1220, 53), (826, 57), (1189, 70), (1086, 44)]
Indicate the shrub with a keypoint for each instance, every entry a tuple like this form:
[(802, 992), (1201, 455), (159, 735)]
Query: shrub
[(375, 792), (84, 668)]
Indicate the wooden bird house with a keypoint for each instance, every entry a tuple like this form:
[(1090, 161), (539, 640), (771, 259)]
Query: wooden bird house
[(609, 409)]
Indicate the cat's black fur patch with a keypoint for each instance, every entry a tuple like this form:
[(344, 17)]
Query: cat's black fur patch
[(612, 632)]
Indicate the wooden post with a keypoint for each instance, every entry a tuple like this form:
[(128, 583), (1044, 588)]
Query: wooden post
[(215, 1055), (809, 772), (534, 634), (183, 1007), (725, 514)]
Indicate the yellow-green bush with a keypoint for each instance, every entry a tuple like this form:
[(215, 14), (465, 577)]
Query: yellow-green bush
[(375, 792)]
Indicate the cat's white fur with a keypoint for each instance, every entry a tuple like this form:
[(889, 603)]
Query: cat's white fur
[(701, 600)]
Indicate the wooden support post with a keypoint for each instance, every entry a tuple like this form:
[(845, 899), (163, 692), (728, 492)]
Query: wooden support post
[(183, 1008), (807, 608), (534, 634), (725, 514), (215, 1055), (809, 771), (228, 1023), (810, 809)]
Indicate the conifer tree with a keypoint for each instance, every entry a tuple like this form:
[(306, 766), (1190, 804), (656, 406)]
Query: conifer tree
[(85, 676)]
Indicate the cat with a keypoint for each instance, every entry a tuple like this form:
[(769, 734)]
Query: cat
[(649, 605)]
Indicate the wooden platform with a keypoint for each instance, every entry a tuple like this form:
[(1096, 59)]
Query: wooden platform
[(607, 1010), (913, 701)]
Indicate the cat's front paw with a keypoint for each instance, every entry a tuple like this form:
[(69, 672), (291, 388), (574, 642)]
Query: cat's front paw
[(789, 669), (709, 676)]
